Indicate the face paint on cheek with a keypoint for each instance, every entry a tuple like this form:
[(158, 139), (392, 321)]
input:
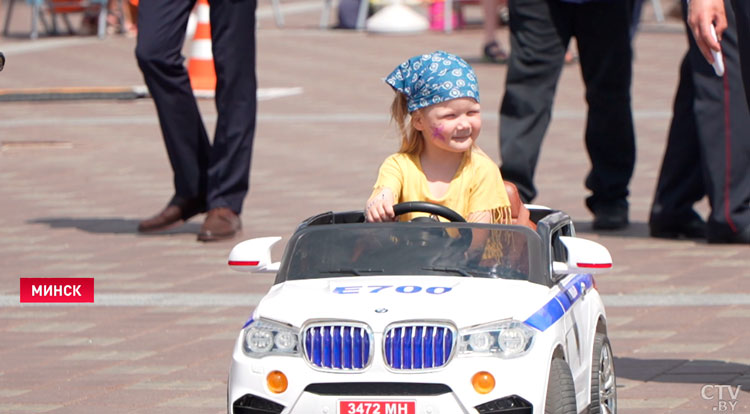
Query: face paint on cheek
[(437, 132)]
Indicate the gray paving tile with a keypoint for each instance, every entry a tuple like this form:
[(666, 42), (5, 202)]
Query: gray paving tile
[(27, 408)]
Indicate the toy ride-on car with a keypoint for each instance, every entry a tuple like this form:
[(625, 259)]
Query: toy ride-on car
[(425, 317)]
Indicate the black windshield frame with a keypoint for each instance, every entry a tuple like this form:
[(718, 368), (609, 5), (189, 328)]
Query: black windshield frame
[(318, 247)]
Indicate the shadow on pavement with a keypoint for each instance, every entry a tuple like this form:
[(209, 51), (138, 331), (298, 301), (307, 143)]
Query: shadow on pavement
[(110, 225), (687, 371), (637, 229)]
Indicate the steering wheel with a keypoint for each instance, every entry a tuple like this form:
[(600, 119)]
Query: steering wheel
[(462, 242), (429, 208)]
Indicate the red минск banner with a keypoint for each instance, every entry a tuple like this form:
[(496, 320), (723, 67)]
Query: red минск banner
[(57, 290)]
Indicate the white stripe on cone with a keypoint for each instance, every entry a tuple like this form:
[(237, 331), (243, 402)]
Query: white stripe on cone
[(201, 49)]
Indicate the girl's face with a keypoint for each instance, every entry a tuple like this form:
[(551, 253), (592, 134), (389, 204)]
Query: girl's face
[(451, 126)]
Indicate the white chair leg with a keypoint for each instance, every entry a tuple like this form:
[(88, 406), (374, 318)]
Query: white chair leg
[(448, 16), (101, 24), (658, 11), (325, 14), (278, 16), (35, 10), (362, 14)]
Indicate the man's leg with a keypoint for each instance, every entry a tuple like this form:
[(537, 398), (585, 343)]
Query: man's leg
[(233, 37), (233, 33), (723, 120), (602, 31), (742, 14), (680, 183), (538, 43), (161, 34)]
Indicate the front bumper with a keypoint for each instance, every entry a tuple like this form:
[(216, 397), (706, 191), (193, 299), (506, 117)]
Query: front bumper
[(310, 400), (445, 390)]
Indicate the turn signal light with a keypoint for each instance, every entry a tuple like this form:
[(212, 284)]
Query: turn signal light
[(483, 382), (277, 382)]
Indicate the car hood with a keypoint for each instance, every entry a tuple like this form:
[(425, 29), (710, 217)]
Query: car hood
[(381, 300)]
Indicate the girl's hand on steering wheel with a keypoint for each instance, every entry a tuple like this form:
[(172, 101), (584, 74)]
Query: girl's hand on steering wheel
[(379, 208)]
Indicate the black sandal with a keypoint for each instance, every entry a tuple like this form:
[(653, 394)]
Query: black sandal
[(493, 53)]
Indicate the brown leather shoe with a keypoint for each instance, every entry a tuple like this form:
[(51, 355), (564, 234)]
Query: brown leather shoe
[(175, 214), (221, 224)]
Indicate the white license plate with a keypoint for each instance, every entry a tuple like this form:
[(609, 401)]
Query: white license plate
[(377, 407)]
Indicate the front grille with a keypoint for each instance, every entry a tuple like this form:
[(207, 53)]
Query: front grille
[(392, 389), (418, 346), (338, 346)]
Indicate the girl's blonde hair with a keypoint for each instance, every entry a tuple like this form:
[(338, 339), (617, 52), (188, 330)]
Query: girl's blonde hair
[(411, 138)]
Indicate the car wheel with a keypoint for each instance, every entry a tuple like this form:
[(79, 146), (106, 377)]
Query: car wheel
[(603, 381), (561, 392)]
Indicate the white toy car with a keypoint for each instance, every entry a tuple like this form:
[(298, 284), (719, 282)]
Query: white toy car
[(425, 317)]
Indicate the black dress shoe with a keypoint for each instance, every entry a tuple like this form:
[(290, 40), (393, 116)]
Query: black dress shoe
[(740, 237), (692, 227), (176, 213), (610, 217)]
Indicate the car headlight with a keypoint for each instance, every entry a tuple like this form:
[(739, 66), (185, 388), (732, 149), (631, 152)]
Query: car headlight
[(505, 339), (264, 337)]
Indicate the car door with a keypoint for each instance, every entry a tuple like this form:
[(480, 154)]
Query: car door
[(574, 288)]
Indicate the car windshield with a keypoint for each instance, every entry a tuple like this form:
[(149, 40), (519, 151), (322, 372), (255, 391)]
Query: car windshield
[(370, 249)]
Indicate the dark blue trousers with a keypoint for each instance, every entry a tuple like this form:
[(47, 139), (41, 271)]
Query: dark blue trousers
[(215, 171)]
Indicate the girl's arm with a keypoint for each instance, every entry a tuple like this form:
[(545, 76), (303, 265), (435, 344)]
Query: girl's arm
[(480, 217), (379, 207), (479, 235)]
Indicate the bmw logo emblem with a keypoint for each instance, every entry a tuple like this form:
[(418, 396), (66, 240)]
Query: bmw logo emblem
[(381, 310)]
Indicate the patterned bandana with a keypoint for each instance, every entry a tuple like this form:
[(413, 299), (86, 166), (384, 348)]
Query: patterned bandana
[(433, 78)]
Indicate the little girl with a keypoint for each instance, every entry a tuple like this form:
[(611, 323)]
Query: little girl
[(436, 108)]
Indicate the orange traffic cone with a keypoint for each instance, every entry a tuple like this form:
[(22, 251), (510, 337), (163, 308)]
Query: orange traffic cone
[(201, 64)]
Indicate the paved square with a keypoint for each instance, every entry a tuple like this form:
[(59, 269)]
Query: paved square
[(76, 176)]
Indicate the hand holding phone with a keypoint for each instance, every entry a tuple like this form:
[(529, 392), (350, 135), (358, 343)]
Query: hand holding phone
[(718, 58)]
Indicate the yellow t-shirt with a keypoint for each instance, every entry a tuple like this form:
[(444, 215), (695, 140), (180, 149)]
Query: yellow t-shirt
[(477, 185)]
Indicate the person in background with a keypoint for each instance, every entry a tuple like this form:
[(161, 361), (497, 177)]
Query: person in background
[(208, 176), (540, 33), (708, 150), (492, 49), (704, 13), (131, 17)]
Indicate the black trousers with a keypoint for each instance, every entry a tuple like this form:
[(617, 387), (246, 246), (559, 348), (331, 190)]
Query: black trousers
[(742, 13), (708, 149), (540, 33), (216, 171)]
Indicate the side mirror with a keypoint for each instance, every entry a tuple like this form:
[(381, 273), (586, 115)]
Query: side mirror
[(584, 256), (254, 255)]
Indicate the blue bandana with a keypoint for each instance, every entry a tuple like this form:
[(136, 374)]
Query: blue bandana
[(433, 78)]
